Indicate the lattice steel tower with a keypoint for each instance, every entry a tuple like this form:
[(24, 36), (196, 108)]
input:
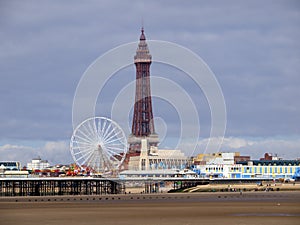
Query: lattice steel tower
[(142, 123)]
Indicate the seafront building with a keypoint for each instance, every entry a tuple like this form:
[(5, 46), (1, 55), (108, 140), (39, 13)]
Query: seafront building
[(10, 165), (272, 169), (172, 163), (275, 169), (221, 158), (12, 169), (154, 162), (152, 158)]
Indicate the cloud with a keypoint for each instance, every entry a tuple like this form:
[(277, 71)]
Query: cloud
[(9, 147), (58, 151), (286, 147), (54, 152)]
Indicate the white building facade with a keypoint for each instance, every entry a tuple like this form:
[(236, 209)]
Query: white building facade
[(38, 164), (151, 158), (273, 170)]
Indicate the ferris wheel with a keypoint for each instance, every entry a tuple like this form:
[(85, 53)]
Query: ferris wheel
[(99, 143)]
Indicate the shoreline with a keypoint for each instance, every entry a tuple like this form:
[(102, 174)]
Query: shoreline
[(230, 208), (157, 197)]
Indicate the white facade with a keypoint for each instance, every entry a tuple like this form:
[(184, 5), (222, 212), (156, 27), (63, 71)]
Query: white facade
[(37, 164), (222, 158), (248, 171), (217, 158), (152, 158)]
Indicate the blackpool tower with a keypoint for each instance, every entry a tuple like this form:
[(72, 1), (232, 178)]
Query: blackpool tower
[(142, 122)]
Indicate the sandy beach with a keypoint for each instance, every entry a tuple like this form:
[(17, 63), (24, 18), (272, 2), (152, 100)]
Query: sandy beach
[(176, 209)]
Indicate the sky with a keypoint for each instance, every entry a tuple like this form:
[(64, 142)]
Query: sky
[(252, 48)]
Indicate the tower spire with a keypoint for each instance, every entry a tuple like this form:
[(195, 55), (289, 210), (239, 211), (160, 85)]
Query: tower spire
[(142, 37)]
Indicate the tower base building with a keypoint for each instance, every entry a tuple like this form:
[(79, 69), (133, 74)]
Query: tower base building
[(151, 158)]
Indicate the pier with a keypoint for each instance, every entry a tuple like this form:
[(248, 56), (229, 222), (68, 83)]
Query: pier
[(48, 186), (59, 186)]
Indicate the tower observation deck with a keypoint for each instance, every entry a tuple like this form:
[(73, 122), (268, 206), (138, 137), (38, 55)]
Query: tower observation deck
[(142, 123)]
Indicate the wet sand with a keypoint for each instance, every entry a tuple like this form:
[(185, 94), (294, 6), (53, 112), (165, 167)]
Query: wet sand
[(176, 209)]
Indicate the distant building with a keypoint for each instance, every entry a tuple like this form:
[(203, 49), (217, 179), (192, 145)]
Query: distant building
[(218, 158), (241, 159), (12, 169), (37, 164), (269, 156), (272, 169), (10, 165)]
